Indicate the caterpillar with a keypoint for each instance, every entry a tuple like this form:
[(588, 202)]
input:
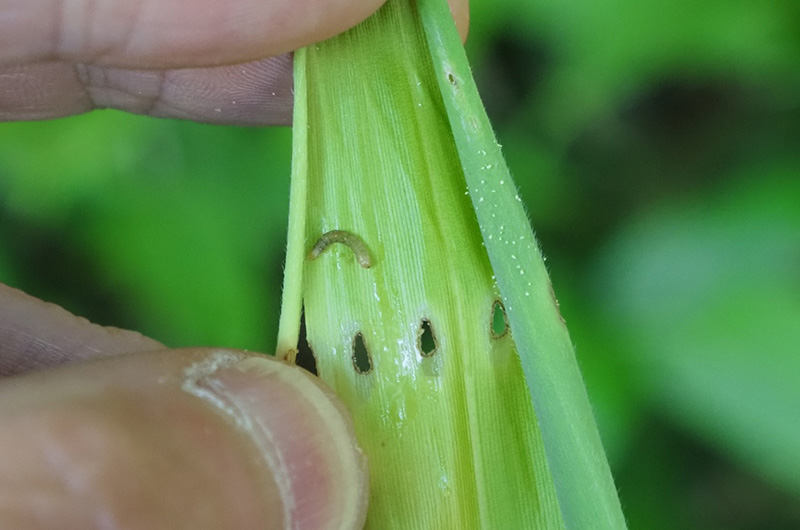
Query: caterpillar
[(344, 237)]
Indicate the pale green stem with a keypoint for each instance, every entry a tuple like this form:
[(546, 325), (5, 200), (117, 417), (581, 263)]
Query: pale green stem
[(292, 296)]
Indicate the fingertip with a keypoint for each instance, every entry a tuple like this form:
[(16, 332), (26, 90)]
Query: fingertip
[(299, 427), (161, 35), (191, 438)]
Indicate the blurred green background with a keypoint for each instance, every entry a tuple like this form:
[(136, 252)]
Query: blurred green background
[(656, 146)]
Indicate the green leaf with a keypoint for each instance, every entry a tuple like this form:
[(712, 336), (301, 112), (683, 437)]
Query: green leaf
[(439, 400), (575, 454), (404, 323)]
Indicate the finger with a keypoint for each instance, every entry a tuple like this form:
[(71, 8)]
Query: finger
[(36, 335), (195, 439), (254, 93), (152, 34), (460, 11)]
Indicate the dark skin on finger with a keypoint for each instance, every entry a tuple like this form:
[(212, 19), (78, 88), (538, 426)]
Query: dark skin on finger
[(220, 71)]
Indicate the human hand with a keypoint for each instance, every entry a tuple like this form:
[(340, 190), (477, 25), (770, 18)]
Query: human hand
[(213, 61), (163, 438), (149, 438)]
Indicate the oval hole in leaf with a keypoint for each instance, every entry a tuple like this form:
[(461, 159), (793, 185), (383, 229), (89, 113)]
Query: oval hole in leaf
[(499, 323), (305, 353), (426, 339), (362, 361)]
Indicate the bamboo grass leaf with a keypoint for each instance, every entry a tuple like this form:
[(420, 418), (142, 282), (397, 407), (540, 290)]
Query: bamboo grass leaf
[(583, 479), (403, 317)]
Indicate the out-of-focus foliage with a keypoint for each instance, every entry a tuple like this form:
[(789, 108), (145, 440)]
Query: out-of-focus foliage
[(656, 146), (172, 228)]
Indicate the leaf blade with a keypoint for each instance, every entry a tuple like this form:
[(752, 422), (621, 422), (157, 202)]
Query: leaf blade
[(574, 451), (451, 436)]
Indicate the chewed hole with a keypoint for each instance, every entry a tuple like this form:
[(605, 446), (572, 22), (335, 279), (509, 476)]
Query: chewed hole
[(499, 323), (426, 339), (362, 361), (305, 353)]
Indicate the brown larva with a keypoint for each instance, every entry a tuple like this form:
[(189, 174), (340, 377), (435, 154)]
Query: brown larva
[(355, 243)]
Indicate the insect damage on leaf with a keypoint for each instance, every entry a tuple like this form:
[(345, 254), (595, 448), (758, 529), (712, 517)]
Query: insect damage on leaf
[(426, 339), (499, 320), (362, 360)]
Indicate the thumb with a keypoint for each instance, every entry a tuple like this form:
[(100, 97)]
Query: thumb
[(195, 438)]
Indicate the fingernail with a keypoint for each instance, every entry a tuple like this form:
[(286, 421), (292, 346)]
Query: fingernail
[(301, 431)]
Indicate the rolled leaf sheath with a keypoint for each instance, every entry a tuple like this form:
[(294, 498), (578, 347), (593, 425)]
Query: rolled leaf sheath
[(439, 401)]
